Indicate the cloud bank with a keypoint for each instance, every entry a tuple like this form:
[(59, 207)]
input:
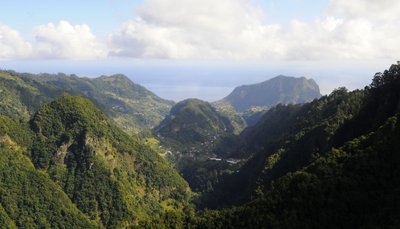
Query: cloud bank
[(236, 29), (197, 29), (222, 30)]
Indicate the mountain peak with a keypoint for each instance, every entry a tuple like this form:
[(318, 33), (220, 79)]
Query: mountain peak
[(280, 89), (190, 103)]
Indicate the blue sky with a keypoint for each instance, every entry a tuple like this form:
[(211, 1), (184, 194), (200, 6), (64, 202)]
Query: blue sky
[(102, 16), (105, 16), (203, 48)]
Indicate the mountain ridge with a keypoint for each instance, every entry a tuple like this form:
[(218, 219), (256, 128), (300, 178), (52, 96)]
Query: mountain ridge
[(289, 138), (329, 163), (130, 105)]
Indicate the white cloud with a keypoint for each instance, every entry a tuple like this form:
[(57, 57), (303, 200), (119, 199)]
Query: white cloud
[(66, 41), (359, 29), (384, 10), (12, 45), (199, 29), (236, 29)]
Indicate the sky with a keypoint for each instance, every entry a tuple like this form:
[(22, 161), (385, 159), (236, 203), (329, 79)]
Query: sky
[(203, 48)]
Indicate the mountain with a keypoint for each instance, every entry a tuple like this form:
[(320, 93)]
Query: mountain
[(193, 121), (23, 95), (354, 186), (330, 163), (72, 167), (287, 138), (280, 89), (113, 178), (130, 105)]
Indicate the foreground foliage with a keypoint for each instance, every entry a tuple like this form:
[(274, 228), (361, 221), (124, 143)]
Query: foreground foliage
[(113, 179), (28, 197)]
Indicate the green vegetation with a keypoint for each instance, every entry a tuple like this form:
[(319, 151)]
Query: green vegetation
[(15, 130), (330, 163), (113, 178), (28, 197), (131, 106), (82, 172), (203, 174), (237, 120), (193, 121), (22, 96), (194, 132), (355, 186)]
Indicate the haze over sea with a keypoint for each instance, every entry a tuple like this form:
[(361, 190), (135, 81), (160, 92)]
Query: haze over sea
[(209, 81)]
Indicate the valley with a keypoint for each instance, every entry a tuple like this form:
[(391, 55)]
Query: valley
[(107, 153)]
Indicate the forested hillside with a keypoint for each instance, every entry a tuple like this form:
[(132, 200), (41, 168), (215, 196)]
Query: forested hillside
[(193, 121), (28, 197), (194, 135), (80, 157), (130, 105), (330, 164)]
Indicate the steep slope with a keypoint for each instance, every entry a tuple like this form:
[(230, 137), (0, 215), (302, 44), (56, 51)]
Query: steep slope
[(280, 89), (354, 186), (237, 119), (28, 197), (113, 178), (193, 121), (130, 105), (289, 138), (332, 164)]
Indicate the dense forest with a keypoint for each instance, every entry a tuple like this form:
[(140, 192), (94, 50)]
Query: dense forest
[(329, 163), (109, 178)]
